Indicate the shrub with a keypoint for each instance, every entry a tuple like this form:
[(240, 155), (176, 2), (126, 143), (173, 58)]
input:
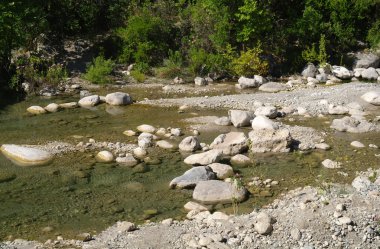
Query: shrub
[(55, 74), (172, 66), (310, 54), (251, 62), (139, 76), (198, 61), (100, 69), (373, 36)]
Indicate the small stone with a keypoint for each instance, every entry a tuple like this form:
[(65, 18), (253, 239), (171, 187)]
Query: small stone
[(327, 163), (357, 144), (296, 234), (340, 207)]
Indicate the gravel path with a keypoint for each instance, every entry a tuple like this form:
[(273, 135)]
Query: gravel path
[(308, 98)]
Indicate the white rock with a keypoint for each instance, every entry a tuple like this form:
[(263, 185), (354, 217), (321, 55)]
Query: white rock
[(199, 81), (372, 97), (337, 109), (139, 152), (214, 192), (69, 105), (191, 177), (342, 72), (222, 171), (270, 140), (89, 101), (189, 206), (53, 107), (223, 121), (190, 144), (370, 74), (231, 143), (128, 160), (268, 111), (240, 118), (244, 83), (322, 146), (118, 98), (357, 144), (327, 163), (240, 160), (273, 87), (204, 158), (104, 156), (165, 145), (130, 133), (26, 156), (36, 110), (176, 132), (262, 122), (146, 128)]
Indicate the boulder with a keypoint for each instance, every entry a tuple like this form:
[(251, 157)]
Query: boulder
[(128, 160), (322, 78), (268, 111), (104, 156), (342, 72), (240, 160), (191, 177), (361, 184), (263, 123), (244, 83), (372, 97), (190, 144), (263, 224), (231, 143), (204, 158), (366, 60), (273, 87), (370, 74), (176, 132), (215, 192), (118, 98), (36, 110), (199, 81), (240, 118), (26, 156), (222, 171), (89, 101), (270, 140), (53, 107), (309, 71), (178, 80), (223, 121), (353, 125), (145, 140), (358, 72), (146, 128), (260, 79)]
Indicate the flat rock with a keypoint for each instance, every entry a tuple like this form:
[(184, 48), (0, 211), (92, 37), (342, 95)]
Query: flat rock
[(191, 177), (222, 171), (240, 160), (25, 156), (191, 205), (118, 98), (214, 192), (357, 144), (273, 87), (205, 158), (231, 143), (327, 163), (128, 160), (69, 105), (35, 109), (270, 140)]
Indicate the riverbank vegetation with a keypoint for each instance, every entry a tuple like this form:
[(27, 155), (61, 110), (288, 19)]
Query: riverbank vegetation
[(168, 38)]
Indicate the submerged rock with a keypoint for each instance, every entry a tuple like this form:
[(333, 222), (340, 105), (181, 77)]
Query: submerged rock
[(223, 121), (214, 192), (191, 177), (163, 144), (231, 143), (89, 101), (273, 87), (25, 156), (53, 107)]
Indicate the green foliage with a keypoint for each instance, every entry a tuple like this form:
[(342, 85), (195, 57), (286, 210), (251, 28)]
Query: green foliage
[(137, 75), (310, 54), (100, 69), (373, 36), (198, 61), (172, 66), (55, 74), (251, 62)]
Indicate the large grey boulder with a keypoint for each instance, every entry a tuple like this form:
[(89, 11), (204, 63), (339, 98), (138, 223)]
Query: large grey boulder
[(215, 192), (89, 101), (191, 177), (262, 122), (268, 111), (118, 98), (342, 73), (231, 143), (372, 97), (190, 144), (240, 118), (370, 74), (204, 158), (309, 71), (366, 60), (273, 87), (270, 140), (244, 83), (26, 156), (353, 125)]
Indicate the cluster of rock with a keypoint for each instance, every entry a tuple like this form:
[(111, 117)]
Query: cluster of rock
[(114, 99)]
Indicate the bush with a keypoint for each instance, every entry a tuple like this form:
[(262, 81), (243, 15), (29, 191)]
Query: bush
[(250, 63), (373, 36), (198, 61), (172, 66), (100, 69), (55, 74), (311, 55), (139, 76)]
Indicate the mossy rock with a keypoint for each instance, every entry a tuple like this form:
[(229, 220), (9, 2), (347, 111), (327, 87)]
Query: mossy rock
[(7, 177)]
